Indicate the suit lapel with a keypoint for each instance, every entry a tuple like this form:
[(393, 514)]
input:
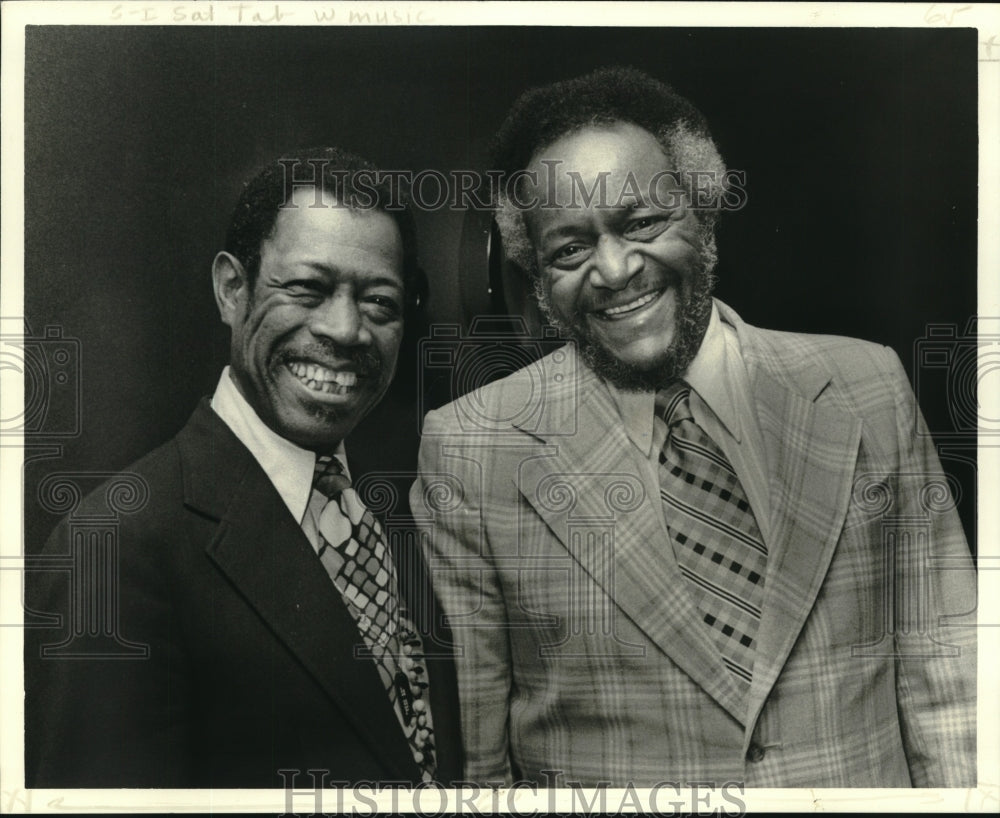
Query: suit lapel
[(593, 479), (268, 559), (811, 449)]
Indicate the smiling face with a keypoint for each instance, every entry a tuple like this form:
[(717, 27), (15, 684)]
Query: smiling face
[(626, 275), (314, 344)]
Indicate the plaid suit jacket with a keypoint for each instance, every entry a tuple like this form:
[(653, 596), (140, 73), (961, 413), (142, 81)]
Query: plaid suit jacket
[(581, 656)]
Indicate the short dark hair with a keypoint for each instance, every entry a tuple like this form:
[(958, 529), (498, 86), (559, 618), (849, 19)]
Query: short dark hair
[(339, 172), (540, 116)]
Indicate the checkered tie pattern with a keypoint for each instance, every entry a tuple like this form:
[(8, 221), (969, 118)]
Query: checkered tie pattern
[(715, 537), (353, 551)]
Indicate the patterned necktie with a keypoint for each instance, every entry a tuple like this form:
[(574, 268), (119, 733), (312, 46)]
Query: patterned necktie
[(715, 537), (354, 553)]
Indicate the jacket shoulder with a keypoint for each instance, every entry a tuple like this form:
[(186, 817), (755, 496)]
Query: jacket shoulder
[(845, 359), (528, 396), (146, 499), (152, 487)]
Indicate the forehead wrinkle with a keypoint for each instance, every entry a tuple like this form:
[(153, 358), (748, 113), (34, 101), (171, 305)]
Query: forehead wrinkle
[(301, 238), (564, 230), (616, 150), (374, 277), (369, 239), (593, 218)]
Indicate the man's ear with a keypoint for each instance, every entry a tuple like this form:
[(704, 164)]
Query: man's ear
[(232, 288)]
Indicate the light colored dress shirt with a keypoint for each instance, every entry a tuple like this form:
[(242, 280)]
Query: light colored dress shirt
[(721, 404), (289, 467)]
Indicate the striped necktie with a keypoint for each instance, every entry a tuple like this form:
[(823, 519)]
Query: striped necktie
[(715, 537), (353, 551)]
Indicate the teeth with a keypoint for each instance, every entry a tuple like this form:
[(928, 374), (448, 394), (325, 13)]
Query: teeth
[(321, 379), (632, 305)]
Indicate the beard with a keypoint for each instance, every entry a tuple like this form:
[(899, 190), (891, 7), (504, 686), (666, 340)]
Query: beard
[(694, 309)]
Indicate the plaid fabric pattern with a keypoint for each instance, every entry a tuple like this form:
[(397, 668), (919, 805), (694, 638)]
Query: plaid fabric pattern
[(716, 540), (355, 555), (580, 653)]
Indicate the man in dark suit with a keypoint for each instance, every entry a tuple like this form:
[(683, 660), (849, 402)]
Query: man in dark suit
[(273, 627)]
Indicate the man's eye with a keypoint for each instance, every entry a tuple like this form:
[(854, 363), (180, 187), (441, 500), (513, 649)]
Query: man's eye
[(304, 287), (569, 255), (383, 307), (646, 227)]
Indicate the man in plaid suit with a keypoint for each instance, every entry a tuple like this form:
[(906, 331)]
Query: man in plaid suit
[(682, 547)]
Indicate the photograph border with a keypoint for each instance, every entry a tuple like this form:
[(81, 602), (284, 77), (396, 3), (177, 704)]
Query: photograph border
[(16, 15)]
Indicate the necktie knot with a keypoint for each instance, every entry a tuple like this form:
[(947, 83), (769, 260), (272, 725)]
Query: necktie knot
[(328, 477), (674, 403)]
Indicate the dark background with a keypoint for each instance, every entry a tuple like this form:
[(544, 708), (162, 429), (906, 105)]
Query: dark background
[(859, 148)]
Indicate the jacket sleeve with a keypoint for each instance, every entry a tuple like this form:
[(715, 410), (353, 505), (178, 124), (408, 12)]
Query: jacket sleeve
[(447, 503), (935, 611), (106, 683)]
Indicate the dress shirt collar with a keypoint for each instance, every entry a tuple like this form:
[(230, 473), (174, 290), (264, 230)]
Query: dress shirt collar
[(637, 409), (287, 466), (703, 375)]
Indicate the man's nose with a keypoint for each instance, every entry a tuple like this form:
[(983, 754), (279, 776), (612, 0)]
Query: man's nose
[(616, 263), (339, 319)]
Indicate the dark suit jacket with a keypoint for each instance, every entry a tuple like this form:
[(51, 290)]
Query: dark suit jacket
[(250, 666)]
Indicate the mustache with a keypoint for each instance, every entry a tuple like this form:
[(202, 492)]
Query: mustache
[(326, 353)]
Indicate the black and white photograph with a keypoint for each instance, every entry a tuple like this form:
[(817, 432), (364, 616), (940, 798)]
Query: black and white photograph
[(482, 407)]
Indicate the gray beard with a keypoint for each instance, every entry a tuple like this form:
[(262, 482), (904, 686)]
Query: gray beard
[(694, 311)]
